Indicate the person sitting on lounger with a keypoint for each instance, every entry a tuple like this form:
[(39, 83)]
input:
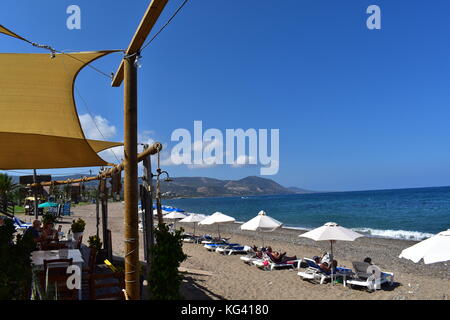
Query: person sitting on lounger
[(368, 260), (49, 232), (259, 253), (316, 259), (326, 258), (277, 257), (327, 268)]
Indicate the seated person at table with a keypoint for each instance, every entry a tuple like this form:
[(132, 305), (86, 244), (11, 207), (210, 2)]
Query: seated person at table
[(34, 231), (48, 232)]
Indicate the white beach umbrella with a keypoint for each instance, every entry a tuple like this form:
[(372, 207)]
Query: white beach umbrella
[(217, 218), (431, 250), (193, 218), (332, 232), (262, 223), (174, 215)]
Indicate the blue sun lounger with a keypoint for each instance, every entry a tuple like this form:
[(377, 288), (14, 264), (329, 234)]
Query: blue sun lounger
[(20, 225), (233, 249), (214, 246)]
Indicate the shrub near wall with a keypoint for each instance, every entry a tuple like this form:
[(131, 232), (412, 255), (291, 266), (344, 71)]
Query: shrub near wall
[(164, 278), (15, 263)]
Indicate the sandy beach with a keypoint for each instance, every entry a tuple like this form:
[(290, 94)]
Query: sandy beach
[(211, 275)]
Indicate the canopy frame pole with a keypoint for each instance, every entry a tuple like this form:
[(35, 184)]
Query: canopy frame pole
[(104, 209), (131, 241), (36, 212), (147, 205), (97, 210), (158, 191), (155, 148)]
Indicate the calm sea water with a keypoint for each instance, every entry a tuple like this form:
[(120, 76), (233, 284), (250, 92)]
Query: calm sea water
[(404, 214)]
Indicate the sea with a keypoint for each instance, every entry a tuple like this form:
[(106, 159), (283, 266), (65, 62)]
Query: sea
[(412, 214)]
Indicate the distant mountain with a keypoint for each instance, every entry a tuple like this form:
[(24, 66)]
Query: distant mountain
[(299, 190), (208, 187)]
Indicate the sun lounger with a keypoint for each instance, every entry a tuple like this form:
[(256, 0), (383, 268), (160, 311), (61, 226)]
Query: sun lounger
[(209, 240), (267, 263), (249, 258), (21, 225), (314, 272), (365, 277), (233, 249), (192, 239), (214, 246)]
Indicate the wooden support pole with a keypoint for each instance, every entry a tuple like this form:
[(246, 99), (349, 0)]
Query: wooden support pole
[(145, 26), (148, 214), (97, 210), (104, 209), (36, 213), (132, 285)]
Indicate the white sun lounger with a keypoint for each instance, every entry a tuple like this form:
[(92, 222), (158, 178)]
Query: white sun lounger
[(267, 264), (233, 250), (369, 280), (313, 272), (214, 246), (248, 259)]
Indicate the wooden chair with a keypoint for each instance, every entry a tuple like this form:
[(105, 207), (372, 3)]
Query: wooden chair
[(54, 269), (91, 263), (106, 286), (90, 267), (58, 284), (78, 244), (57, 266)]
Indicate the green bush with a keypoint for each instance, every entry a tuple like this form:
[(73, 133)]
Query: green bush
[(95, 242), (78, 225), (15, 263), (167, 253), (48, 218)]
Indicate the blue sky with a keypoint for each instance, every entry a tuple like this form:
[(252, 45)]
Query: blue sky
[(357, 109)]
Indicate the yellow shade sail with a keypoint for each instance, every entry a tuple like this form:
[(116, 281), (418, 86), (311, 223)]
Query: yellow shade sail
[(39, 124)]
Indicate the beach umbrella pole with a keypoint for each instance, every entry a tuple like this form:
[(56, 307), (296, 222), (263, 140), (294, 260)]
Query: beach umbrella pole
[(331, 261), (262, 237)]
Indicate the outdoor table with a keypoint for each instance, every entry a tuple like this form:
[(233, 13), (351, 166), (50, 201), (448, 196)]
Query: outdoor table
[(69, 243), (38, 257), (344, 273)]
